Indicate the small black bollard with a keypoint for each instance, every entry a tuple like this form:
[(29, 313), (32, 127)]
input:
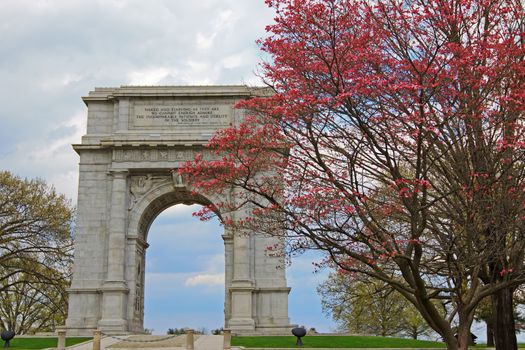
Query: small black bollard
[(7, 336), (299, 332)]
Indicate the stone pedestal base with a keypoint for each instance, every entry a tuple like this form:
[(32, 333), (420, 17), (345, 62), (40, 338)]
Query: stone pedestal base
[(284, 329), (83, 312), (113, 326), (242, 325), (114, 302)]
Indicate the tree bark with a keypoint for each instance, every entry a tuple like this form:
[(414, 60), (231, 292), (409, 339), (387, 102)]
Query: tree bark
[(503, 317), (450, 340), (463, 333), (490, 331)]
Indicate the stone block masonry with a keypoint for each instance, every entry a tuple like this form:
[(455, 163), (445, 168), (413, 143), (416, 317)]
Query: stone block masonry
[(135, 136)]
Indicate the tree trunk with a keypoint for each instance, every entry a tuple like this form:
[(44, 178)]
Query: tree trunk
[(503, 317), (450, 340), (414, 333), (463, 336), (490, 331)]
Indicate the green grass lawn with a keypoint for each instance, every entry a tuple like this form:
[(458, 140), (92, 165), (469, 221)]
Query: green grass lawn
[(338, 342), (42, 343), (334, 342)]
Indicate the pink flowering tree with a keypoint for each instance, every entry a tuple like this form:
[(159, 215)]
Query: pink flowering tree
[(392, 140)]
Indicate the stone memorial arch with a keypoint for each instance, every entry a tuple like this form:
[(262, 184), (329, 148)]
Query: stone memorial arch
[(135, 136)]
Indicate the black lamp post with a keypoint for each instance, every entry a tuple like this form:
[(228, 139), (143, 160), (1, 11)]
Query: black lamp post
[(7, 336), (299, 332)]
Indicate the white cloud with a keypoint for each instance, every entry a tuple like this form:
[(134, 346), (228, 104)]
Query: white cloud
[(77, 125), (226, 19), (63, 81), (208, 280), (70, 78), (200, 72), (66, 183), (213, 276), (224, 22), (163, 278), (215, 263), (204, 41), (50, 156), (180, 210), (238, 59), (150, 76), (119, 4)]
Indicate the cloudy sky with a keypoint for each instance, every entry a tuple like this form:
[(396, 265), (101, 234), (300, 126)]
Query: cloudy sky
[(55, 51)]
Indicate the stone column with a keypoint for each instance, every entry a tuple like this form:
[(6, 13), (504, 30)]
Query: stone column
[(135, 258), (228, 274), (115, 290), (242, 285), (241, 259), (117, 227)]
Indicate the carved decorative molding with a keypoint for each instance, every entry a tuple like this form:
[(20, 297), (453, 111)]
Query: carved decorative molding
[(159, 155), (140, 184), (179, 181)]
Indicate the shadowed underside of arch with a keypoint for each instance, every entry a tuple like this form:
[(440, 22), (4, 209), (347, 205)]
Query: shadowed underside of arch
[(163, 202)]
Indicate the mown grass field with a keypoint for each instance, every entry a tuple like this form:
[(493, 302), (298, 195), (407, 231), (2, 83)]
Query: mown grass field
[(337, 342), (334, 342), (41, 343)]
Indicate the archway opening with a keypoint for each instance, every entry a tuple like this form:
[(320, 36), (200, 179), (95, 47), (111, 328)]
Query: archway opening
[(184, 272)]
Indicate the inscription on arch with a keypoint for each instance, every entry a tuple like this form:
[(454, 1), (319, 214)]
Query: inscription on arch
[(159, 114)]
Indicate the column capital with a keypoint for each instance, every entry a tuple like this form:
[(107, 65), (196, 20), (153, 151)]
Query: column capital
[(118, 173), (227, 239), (139, 241)]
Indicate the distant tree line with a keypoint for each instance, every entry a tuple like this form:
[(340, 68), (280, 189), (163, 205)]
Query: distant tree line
[(183, 330)]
